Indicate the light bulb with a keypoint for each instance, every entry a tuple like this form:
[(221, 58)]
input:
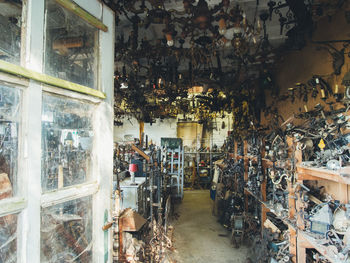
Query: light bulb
[(222, 31), (336, 90), (222, 26), (244, 19), (258, 24), (170, 43), (169, 38)]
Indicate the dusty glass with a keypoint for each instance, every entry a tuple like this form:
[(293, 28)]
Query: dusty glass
[(66, 232), (67, 141), (8, 239), (10, 28), (70, 46), (9, 129)]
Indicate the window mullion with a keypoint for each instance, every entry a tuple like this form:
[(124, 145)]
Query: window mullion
[(12, 205), (68, 194)]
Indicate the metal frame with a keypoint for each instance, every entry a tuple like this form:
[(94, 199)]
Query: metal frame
[(179, 171)]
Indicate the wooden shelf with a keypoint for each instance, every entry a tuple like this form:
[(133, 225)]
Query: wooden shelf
[(251, 193), (266, 162), (300, 240), (204, 153), (265, 206), (310, 240), (312, 173), (325, 251), (271, 209)]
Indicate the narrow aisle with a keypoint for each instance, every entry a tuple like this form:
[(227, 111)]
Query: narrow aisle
[(198, 237)]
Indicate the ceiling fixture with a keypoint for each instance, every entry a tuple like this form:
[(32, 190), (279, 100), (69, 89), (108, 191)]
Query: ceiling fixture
[(206, 44)]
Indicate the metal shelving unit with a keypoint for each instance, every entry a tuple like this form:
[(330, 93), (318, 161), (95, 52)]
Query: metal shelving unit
[(176, 170)]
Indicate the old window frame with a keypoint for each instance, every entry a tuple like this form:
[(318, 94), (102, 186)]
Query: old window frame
[(28, 75), (16, 204)]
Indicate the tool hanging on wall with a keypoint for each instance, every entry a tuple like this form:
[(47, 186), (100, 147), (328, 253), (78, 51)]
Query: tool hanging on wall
[(337, 55)]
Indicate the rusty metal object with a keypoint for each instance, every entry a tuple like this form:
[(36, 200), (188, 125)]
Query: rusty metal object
[(5, 186)]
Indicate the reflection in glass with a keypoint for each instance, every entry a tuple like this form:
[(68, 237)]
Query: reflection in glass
[(8, 239), (66, 142), (9, 124), (70, 46), (10, 28), (66, 232)]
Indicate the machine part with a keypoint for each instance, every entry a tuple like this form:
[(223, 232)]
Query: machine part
[(321, 220), (333, 165), (133, 194), (133, 248), (346, 238), (237, 230), (340, 222)]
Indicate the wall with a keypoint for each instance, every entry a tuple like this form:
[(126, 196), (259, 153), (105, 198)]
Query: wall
[(162, 128), (300, 66), (129, 127), (191, 134), (188, 131), (220, 132)]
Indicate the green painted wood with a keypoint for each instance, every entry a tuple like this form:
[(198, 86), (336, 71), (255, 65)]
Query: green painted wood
[(105, 221), (21, 71), (73, 7)]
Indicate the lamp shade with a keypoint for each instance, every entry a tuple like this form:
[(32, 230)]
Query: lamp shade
[(132, 167)]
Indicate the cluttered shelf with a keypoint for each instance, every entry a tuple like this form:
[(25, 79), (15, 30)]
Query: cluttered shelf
[(267, 162), (204, 152), (247, 191), (271, 209), (313, 242), (305, 172), (247, 157)]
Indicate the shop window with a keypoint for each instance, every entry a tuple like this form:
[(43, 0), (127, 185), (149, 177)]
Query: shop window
[(66, 232), (8, 239), (67, 139), (10, 28), (9, 129), (70, 46)]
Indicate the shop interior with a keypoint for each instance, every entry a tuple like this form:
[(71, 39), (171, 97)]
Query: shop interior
[(175, 131)]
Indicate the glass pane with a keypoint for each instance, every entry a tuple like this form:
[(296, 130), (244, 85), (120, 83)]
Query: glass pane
[(8, 239), (67, 137), (66, 232), (10, 28), (9, 124), (70, 46)]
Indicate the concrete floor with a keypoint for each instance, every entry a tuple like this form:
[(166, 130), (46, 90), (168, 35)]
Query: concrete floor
[(198, 237)]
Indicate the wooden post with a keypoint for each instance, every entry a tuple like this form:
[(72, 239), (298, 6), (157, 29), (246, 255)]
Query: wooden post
[(246, 162), (343, 191), (292, 231), (292, 202), (301, 258), (235, 149), (263, 208), (141, 130), (302, 246)]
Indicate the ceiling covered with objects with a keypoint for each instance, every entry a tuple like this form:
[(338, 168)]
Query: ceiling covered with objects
[(203, 58)]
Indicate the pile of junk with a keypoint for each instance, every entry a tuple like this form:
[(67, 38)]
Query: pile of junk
[(144, 194)]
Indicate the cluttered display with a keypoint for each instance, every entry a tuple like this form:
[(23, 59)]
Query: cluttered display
[(288, 182), (147, 181), (10, 99)]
